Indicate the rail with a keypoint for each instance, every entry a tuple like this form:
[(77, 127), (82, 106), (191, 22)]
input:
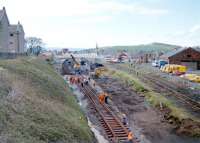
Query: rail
[(115, 130)]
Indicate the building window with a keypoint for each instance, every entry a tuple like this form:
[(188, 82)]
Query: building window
[(11, 42), (11, 34), (189, 56)]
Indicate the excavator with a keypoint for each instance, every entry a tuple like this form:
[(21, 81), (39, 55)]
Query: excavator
[(77, 65)]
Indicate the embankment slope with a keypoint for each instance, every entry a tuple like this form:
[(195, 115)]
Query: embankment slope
[(37, 106)]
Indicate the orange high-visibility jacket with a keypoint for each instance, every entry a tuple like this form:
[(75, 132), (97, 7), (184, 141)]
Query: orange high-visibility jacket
[(102, 98), (130, 136)]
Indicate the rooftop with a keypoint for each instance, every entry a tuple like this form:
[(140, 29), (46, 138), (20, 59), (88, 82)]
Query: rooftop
[(16, 28), (174, 52)]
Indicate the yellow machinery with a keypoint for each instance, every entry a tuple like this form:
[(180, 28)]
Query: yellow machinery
[(175, 69), (192, 77), (77, 65), (100, 71)]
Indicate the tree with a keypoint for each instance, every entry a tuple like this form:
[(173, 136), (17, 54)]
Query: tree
[(34, 45)]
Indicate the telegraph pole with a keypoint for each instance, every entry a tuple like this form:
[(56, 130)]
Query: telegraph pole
[(97, 49)]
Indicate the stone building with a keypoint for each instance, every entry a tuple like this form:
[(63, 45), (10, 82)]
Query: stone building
[(4, 31), (16, 38), (11, 36)]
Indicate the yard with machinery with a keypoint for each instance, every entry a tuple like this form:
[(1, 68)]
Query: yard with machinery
[(185, 93), (157, 116), (152, 108), (149, 122)]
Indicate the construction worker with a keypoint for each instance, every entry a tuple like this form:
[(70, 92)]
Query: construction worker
[(106, 97), (124, 119), (70, 80), (78, 80), (130, 137), (86, 82), (82, 84), (102, 98)]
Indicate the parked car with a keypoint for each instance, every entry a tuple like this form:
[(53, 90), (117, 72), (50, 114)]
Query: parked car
[(162, 63), (155, 63)]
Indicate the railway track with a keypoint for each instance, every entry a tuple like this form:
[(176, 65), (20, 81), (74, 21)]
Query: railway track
[(195, 106), (115, 130), (170, 88)]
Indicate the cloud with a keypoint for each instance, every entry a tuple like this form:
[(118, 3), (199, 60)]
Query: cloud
[(195, 29), (77, 23), (131, 8), (188, 37), (77, 8)]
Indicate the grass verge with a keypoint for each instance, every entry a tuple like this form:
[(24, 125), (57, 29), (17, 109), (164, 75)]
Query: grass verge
[(152, 97), (37, 106)]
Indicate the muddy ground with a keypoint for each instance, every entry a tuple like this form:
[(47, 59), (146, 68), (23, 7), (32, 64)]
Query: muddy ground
[(147, 122)]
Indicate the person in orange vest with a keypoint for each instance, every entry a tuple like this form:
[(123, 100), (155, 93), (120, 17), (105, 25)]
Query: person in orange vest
[(78, 80), (70, 80), (130, 137), (102, 98)]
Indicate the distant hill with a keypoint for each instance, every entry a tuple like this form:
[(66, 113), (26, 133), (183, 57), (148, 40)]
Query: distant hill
[(135, 49)]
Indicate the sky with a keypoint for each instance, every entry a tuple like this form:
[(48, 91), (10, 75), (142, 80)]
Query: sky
[(83, 23)]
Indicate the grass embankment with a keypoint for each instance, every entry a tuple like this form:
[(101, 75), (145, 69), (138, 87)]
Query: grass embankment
[(175, 115), (36, 106)]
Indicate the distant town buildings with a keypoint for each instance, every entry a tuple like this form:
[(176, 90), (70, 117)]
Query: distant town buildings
[(11, 36), (65, 50)]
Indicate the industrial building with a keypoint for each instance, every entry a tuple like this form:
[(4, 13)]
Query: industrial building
[(189, 57)]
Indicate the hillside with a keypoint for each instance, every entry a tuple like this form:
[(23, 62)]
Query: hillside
[(37, 107), (135, 49)]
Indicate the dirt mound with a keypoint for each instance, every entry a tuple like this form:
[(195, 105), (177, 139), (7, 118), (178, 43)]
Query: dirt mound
[(189, 127)]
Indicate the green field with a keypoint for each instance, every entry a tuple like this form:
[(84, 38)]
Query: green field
[(37, 107)]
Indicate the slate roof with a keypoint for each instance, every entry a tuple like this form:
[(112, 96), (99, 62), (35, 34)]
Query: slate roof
[(1, 14), (16, 27), (174, 52)]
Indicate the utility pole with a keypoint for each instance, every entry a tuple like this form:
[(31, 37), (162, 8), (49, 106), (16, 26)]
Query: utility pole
[(97, 49)]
